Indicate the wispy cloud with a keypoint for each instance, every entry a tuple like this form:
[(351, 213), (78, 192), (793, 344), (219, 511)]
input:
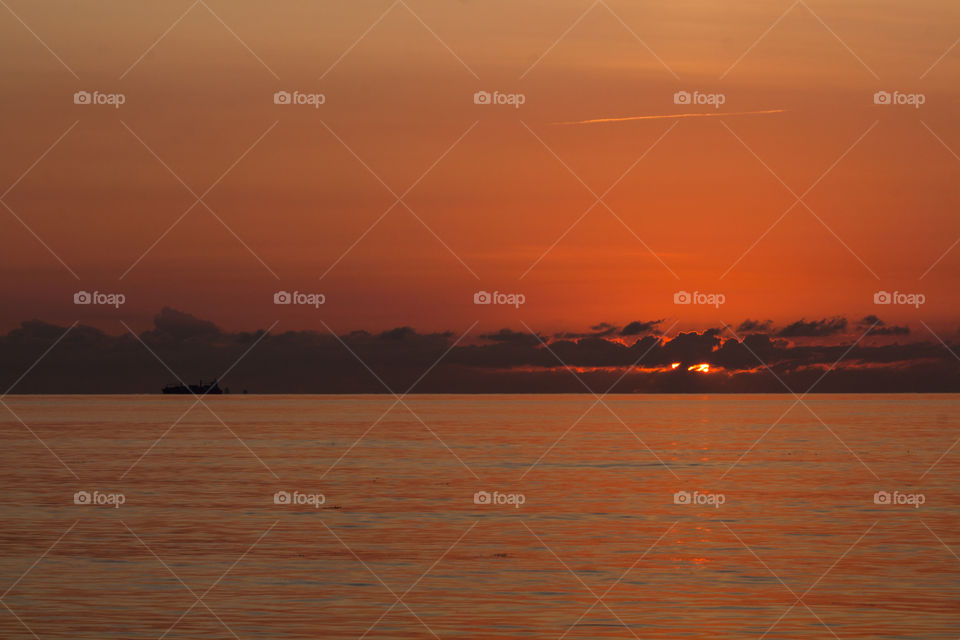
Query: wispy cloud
[(674, 115)]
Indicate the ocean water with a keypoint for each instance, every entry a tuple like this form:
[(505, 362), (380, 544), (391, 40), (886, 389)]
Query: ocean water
[(637, 516)]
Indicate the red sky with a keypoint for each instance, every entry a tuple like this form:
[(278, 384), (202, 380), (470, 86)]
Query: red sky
[(881, 210)]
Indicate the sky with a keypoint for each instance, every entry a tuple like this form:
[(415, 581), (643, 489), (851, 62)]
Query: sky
[(597, 199)]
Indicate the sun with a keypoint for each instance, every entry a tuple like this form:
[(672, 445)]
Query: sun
[(702, 368)]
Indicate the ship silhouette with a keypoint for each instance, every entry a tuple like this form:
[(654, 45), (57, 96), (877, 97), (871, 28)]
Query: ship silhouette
[(197, 389)]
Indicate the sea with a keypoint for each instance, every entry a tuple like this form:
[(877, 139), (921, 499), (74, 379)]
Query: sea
[(480, 516)]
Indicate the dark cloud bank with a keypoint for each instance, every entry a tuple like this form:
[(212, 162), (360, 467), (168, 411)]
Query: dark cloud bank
[(87, 360)]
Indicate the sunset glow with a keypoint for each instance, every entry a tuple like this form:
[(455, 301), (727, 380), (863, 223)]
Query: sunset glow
[(527, 319)]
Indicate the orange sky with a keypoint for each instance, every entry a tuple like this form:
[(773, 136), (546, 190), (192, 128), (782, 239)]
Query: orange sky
[(508, 190)]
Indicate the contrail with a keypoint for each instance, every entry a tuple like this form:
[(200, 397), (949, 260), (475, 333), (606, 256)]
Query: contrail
[(673, 115)]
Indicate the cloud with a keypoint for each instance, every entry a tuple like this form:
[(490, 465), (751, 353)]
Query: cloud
[(601, 330), (88, 360), (637, 327), (880, 328), (815, 328), (510, 336), (170, 323), (749, 325)]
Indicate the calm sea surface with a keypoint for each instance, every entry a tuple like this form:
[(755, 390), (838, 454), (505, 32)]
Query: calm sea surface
[(341, 517)]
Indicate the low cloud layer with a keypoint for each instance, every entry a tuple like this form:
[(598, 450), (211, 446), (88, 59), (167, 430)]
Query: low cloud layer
[(870, 356)]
